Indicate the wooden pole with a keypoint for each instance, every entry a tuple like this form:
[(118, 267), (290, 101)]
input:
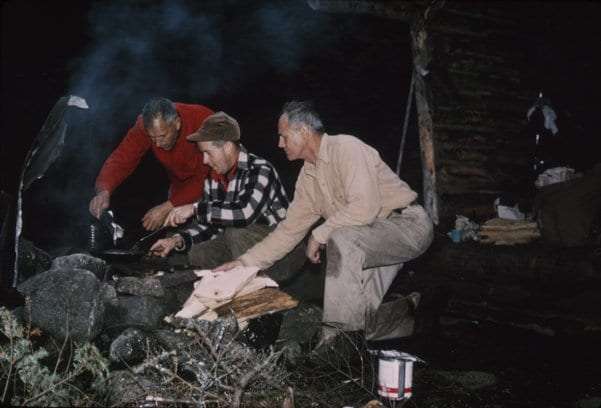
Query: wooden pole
[(421, 59), (407, 113)]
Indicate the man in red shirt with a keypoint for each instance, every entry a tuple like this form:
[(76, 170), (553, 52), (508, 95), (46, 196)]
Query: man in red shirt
[(162, 127)]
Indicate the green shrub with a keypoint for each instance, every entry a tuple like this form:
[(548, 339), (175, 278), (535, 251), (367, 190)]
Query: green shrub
[(31, 376)]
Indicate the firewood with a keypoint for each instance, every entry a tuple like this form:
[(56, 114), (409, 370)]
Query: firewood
[(503, 224), (487, 236), (259, 303)]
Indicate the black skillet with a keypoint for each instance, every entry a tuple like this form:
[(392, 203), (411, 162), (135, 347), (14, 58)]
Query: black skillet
[(137, 251)]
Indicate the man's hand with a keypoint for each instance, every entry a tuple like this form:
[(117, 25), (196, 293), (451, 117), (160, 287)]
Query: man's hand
[(163, 246), (313, 250), (179, 215), (154, 218), (228, 266), (99, 203)]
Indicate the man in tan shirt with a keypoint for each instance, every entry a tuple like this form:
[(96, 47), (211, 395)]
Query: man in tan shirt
[(371, 227)]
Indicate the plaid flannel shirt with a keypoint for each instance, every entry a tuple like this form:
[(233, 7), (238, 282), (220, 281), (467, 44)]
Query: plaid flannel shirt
[(255, 194)]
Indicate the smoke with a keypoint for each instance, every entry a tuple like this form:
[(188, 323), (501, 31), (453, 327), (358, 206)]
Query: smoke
[(186, 51), (139, 51)]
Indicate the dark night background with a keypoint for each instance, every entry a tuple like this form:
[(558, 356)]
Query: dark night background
[(245, 58)]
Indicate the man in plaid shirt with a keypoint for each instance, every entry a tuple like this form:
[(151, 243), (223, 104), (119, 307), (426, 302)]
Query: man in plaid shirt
[(243, 199)]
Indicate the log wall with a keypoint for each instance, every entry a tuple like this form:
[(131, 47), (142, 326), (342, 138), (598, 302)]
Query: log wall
[(479, 99)]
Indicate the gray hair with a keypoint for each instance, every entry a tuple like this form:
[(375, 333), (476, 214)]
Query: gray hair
[(303, 112), (158, 108)]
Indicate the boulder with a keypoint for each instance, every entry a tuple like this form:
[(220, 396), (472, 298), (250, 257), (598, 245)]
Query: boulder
[(82, 261), (68, 302), (131, 285), (145, 312)]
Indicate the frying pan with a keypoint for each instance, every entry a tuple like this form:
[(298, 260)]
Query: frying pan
[(137, 251)]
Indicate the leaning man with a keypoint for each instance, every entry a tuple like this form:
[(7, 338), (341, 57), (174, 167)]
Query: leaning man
[(372, 223), (162, 127), (243, 200)]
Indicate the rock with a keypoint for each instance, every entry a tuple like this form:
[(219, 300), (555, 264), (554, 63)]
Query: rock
[(127, 388), (129, 347), (472, 380), (179, 284), (130, 285), (82, 261), (145, 312), (68, 301)]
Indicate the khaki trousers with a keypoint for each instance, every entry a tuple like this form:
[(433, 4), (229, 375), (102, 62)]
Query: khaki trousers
[(362, 262)]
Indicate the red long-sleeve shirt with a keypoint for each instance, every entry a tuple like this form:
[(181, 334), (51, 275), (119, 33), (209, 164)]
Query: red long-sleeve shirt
[(183, 162)]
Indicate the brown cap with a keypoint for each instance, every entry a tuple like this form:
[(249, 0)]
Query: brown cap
[(218, 126)]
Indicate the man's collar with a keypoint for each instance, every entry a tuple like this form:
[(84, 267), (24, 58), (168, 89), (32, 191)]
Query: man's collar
[(243, 158), (324, 153)]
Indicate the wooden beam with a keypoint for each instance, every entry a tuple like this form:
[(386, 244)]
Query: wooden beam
[(421, 60)]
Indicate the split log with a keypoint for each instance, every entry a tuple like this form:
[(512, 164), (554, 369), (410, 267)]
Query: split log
[(508, 232), (259, 303), (500, 224), (509, 238)]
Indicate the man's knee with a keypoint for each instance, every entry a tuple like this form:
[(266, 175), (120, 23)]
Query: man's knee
[(341, 237), (340, 249), (341, 241)]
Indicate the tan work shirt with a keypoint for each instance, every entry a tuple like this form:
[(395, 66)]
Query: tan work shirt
[(348, 185)]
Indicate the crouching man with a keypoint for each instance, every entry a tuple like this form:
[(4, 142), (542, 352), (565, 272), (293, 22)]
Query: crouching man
[(243, 201), (372, 224)]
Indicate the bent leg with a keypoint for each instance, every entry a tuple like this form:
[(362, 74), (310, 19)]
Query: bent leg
[(364, 260), (240, 240), (209, 254)]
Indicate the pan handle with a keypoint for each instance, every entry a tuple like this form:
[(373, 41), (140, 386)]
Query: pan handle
[(145, 240)]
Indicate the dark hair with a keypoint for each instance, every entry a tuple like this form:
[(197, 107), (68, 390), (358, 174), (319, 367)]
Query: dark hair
[(156, 108), (303, 112)]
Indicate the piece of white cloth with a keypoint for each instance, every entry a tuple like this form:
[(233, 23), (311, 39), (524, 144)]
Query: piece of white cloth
[(218, 288), (222, 285), (555, 175)]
